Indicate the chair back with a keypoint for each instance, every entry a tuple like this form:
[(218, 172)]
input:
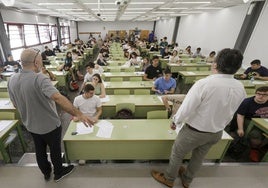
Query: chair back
[(121, 92), (120, 106), (116, 79), (142, 92)]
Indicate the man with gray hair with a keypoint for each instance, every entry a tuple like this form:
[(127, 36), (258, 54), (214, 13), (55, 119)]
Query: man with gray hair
[(33, 94)]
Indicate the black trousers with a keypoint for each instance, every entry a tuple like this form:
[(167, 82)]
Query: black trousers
[(53, 141)]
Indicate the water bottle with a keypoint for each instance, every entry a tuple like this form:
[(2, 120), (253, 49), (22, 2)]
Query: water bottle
[(252, 79)]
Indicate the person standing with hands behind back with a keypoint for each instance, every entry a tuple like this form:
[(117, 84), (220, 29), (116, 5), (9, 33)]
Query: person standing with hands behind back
[(206, 110), (33, 94)]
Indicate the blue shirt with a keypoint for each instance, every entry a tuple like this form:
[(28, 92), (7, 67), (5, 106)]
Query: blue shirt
[(161, 84), (262, 71)]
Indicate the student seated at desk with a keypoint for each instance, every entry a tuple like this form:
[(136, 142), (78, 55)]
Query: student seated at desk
[(165, 84), (252, 107), (98, 85), (67, 66), (89, 104), (198, 54), (256, 70), (101, 60), (153, 71), (145, 63), (48, 73), (11, 65), (174, 58), (165, 54), (176, 100), (90, 69), (211, 57)]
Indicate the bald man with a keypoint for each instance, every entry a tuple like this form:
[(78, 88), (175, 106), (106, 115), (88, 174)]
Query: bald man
[(34, 96)]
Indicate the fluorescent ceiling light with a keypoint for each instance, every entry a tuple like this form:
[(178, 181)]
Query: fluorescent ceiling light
[(104, 9), (193, 2), (209, 8), (98, 3), (192, 12), (173, 8), (139, 8), (147, 3), (245, 1), (162, 12), (70, 9), (55, 3), (40, 9), (134, 12)]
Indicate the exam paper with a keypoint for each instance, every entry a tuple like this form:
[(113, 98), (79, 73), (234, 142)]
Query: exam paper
[(82, 129), (4, 102), (4, 124), (105, 129), (105, 99)]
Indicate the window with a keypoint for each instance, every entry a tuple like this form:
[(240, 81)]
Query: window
[(65, 34), (16, 53), (44, 33), (54, 32), (31, 36), (15, 36)]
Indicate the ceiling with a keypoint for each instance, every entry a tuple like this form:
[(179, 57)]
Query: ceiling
[(120, 10)]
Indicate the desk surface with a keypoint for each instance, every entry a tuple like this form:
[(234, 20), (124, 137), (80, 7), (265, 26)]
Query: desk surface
[(3, 84), (262, 123), (248, 83), (8, 128), (6, 104), (128, 85), (131, 139), (138, 100)]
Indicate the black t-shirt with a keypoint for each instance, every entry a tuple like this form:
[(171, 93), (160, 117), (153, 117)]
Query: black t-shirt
[(250, 109), (262, 71), (153, 72)]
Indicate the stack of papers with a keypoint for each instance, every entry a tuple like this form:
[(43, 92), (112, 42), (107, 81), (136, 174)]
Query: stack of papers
[(105, 129), (191, 73), (4, 124), (82, 129)]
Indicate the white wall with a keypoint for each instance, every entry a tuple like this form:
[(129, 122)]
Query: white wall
[(165, 28), (104, 27), (212, 31), (258, 43), (19, 17), (73, 31)]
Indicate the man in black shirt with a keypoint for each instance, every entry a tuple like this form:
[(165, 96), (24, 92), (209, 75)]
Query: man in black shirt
[(154, 70), (10, 64)]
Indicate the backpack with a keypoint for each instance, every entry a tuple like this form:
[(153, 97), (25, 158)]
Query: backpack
[(124, 113), (73, 85)]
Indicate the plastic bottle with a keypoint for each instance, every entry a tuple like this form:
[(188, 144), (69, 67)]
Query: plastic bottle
[(252, 79)]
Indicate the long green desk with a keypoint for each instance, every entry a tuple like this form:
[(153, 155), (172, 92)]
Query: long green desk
[(116, 62), (3, 85), (175, 68), (130, 85), (250, 86), (262, 124), (143, 104), (120, 68), (61, 77), (144, 139), (4, 135), (6, 75), (124, 75)]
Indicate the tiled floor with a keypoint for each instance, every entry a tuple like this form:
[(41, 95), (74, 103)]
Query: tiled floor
[(136, 175)]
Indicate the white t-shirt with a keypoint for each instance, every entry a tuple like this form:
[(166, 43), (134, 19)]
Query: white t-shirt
[(87, 106), (88, 76)]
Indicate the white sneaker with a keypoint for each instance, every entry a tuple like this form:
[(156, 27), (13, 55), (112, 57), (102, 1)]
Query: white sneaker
[(82, 162)]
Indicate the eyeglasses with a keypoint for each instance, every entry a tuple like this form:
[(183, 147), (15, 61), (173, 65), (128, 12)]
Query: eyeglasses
[(262, 94), (37, 52)]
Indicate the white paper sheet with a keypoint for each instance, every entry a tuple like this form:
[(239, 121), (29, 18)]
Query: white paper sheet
[(159, 97), (266, 119), (105, 129), (105, 99), (139, 73), (4, 102), (259, 82), (82, 129), (4, 124), (105, 132)]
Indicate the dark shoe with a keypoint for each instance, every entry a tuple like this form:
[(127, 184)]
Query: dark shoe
[(181, 172), (47, 176), (65, 171), (158, 176)]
